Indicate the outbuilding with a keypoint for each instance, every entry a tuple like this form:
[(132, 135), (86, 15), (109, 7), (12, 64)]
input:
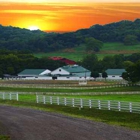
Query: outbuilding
[(115, 74)]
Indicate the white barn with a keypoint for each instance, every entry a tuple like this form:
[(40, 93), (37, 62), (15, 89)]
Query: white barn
[(115, 74), (71, 72)]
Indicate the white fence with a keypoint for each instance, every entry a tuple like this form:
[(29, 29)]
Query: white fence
[(98, 104), (133, 107), (65, 86), (9, 96)]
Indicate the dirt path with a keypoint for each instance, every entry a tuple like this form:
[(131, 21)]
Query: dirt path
[(29, 124)]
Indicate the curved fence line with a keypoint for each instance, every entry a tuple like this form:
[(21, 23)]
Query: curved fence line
[(74, 93), (65, 86)]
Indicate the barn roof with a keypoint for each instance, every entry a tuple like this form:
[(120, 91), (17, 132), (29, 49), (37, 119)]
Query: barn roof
[(31, 72), (115, 71), (75, 68)]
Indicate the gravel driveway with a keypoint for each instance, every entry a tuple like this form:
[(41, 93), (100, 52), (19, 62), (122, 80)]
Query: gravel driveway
[(30, 124)]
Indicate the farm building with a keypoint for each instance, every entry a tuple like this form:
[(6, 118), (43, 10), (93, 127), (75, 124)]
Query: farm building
[(34, 74), (71, 72), (115, 74)]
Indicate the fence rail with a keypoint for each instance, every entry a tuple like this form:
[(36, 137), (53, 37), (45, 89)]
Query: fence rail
[(65, 86), (9, 96), (133, 107), (73, 93)]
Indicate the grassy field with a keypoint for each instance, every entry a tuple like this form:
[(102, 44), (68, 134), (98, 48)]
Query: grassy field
[(129, 120), (72, 90), (78, 53), (117, 97)]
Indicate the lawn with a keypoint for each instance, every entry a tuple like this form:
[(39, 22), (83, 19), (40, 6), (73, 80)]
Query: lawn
[(114, 97), (108, 49), (72, 90)]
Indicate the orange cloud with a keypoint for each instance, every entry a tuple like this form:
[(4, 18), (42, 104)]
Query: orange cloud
[(66, 17)]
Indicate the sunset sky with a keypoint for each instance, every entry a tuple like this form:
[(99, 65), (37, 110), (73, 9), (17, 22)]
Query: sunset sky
[(62, 15)]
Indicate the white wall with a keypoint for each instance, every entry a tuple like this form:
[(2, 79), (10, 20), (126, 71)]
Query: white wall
[(114, 77), (45, 72), (60, 71)]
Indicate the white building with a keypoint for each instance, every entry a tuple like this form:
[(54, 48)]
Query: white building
[(71, 72), (35, 74), (115, 74)]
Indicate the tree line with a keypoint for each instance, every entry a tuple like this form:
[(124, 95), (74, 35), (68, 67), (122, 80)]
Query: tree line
[(13, 62)]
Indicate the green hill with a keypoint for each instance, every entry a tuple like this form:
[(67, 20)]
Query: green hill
[(119, 37), (79, 52)]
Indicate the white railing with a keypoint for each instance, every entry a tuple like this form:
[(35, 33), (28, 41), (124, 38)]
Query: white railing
[(133, 107), (9, 96), (64, 86), (75, 93)]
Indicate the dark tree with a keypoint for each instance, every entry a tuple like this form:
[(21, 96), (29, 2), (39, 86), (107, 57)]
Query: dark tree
[(94, 74), (104, 75)]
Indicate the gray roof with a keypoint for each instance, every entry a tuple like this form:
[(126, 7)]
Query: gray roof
[(115, 71), (75, 69), (31, 72)]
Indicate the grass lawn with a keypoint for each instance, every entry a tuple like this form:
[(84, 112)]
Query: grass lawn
[(116, 46), (108, 49), (129, 120), (117, 97), (72, 90)]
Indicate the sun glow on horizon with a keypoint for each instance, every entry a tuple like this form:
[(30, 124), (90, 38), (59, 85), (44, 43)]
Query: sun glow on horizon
[(65, 17), (33, 27)]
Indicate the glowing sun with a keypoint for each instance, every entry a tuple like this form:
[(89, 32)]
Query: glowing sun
[(32, 28)]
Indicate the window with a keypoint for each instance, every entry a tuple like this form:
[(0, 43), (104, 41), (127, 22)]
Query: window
[(113, 76), (59, 69)]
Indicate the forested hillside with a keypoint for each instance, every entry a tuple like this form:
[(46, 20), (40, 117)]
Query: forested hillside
[(12, 38)]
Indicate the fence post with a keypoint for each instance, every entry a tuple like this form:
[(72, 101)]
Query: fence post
[(89, 103), (119, 106), (3, 96), (99, 104), (17, 96), (65, 101), (44, 99), (58, 101), (108, 105), (37, 99), (130, 107), (81, 103), (10, 96), (73, 102), (50, 100)]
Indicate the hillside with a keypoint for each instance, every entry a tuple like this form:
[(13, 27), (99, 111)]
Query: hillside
[(78, 53), (125, 32)]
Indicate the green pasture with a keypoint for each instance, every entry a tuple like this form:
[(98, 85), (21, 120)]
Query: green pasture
[(115, 97), (116, 46), (78, 52), (72, 90)]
